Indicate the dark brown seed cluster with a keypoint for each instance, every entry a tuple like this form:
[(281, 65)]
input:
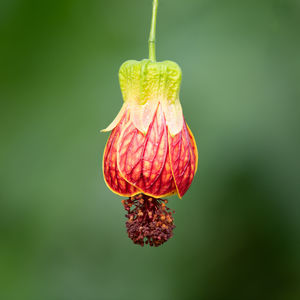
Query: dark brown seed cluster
[(150, 221)]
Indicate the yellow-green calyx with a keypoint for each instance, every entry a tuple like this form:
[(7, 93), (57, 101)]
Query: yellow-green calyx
[(146, 83), (143, 81)]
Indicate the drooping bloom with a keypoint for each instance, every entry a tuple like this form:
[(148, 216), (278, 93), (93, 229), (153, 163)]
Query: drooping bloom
[(151, 152)]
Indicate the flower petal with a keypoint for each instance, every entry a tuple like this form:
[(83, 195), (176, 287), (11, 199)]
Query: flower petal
[(173, 114), (183, 156), (117, 119), (142, 115), (194, 147), (112, 176), (142, 158), (164, 185)]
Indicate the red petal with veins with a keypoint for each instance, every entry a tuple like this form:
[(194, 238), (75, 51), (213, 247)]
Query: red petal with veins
[(194, 148), (144, 161), (165, 185), (112, 176), (183, 154)]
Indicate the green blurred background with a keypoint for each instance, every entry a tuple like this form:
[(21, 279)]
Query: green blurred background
[(62, 232)]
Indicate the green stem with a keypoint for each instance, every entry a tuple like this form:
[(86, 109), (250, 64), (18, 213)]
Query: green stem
[(151, 40)]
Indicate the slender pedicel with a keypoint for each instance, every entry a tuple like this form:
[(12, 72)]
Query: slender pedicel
[(152, 41)]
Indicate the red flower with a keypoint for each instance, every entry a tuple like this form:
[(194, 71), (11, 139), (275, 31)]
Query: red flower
[(151, 150)]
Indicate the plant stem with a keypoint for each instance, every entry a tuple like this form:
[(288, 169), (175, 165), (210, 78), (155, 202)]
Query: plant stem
[(151, 40)]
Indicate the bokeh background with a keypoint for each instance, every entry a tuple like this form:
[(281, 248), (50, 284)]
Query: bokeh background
[(62, 232)]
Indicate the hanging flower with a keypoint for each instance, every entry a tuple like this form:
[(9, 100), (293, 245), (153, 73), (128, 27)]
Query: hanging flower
[(151, 152)]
